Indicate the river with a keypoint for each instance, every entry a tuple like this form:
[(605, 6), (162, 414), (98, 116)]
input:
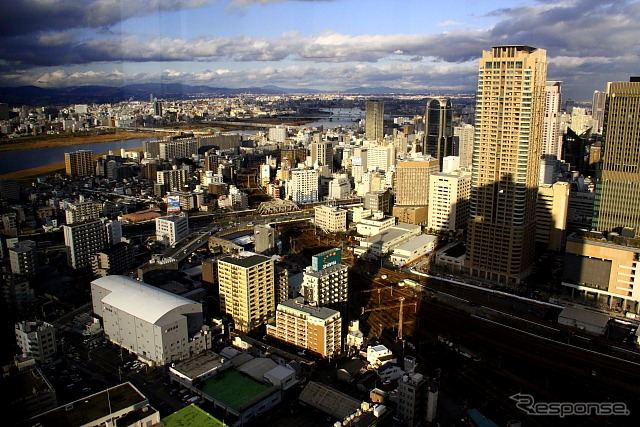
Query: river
[(13, 161)]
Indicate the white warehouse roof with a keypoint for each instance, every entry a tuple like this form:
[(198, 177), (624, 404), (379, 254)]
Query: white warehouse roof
[(145, 301)]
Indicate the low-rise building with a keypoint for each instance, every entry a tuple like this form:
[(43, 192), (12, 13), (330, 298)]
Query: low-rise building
[(331, 219), (37, 340), (380, 245), (414, 249)]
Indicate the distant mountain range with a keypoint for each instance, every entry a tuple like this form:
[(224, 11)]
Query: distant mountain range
[(37, 96)]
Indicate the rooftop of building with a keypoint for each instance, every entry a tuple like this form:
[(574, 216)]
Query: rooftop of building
[(199, 364), (392, 233), (94, 407), (417, 242), (144, 301), (329, 400), (318, 312), (626, 238), (235, 390), (247, 262), (192, 416)]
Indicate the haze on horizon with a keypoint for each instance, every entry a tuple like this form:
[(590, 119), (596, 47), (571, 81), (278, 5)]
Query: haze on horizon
[(319, 44)]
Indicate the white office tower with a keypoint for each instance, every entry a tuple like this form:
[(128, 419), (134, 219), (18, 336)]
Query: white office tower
[(340, 188), (114, 232), (278, 134), (156, 325), (84, 240), (551, 136), (450, 164), (170, 229), (449, 194), (303, 186), (381, 158), (464, 135), (325, 282), (37, 340)]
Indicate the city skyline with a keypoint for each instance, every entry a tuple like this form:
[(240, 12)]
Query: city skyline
[(325, 45)]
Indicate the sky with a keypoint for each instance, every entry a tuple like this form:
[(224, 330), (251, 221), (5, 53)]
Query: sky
[(312, 44)]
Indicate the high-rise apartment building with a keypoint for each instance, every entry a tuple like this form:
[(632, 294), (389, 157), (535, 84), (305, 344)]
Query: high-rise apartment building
[(618, 182), (551, 137), (506, 163), (83, 211), (374, 120), (317, 329), (381, 158), (247, 290), (325, 283), (84, 239), (173, 180), (438, 119), (463, 137), (79, 163)]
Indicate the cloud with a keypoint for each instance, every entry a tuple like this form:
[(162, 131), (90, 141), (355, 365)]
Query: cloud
[(33, 16), (245, 3), (449, 23)]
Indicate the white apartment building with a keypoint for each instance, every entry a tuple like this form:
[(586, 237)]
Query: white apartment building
[(170, 229), (173, 180), (156, 325), (449, 195), (23, 258), (317, 329), (303, 186), (465, 135), (37, 340), (83, 211), (331, 219), (326, 288)]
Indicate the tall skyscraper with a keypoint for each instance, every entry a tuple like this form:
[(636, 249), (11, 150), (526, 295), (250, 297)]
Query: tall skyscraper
[(79, 163), (551, 137), (438, 120), (618, 181), (506, 162), (374, 120), (597, 109)]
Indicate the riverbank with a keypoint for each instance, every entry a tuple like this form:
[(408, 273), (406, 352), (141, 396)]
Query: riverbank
[(49, 141), (46, 170)]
